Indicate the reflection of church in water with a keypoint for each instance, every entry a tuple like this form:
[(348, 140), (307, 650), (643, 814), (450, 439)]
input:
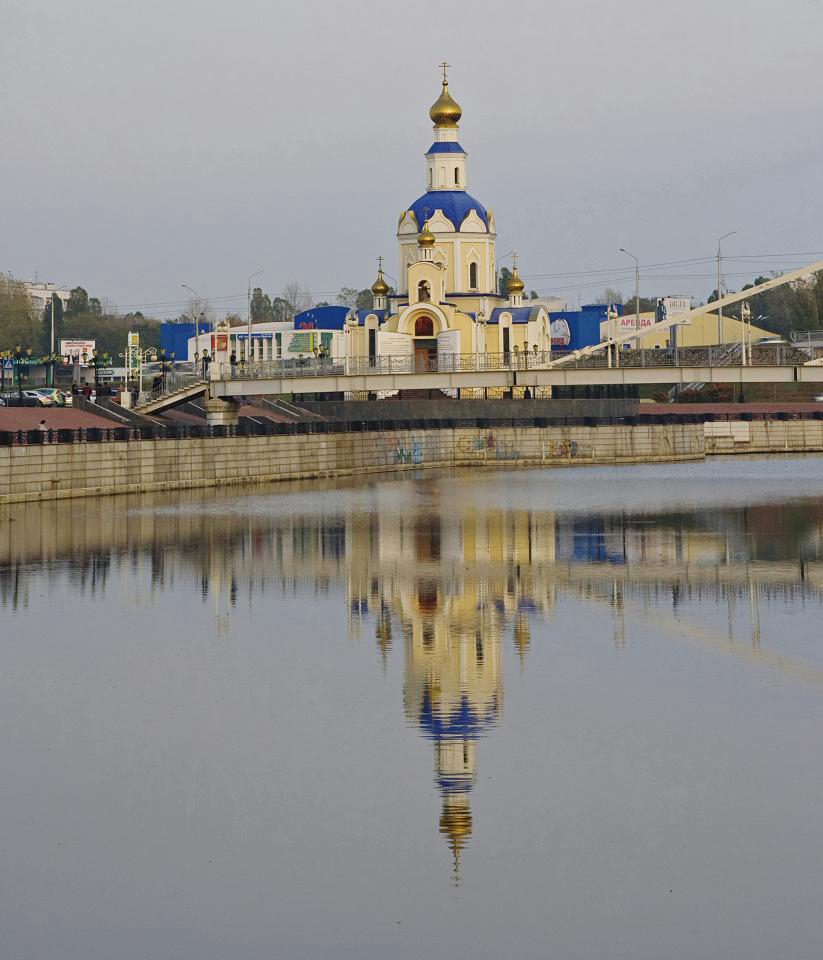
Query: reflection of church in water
[(455, 587), (452, 582)]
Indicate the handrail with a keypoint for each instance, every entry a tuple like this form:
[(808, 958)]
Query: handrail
[(726, 355)]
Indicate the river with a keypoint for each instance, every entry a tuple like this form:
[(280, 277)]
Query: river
[(566, 712)]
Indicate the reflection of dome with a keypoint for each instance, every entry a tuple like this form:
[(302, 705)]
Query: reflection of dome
[(445, 112), (456, 824), (464, 722), (455, 204), (521, 636)]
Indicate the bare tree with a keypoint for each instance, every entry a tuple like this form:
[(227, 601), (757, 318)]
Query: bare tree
[(609, 296), (347, 297), (198, 307), (297, 297)]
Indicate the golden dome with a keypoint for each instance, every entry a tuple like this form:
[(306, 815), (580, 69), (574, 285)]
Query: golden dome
[(380, 288), (444, 111), (515, 284), (425, 237)]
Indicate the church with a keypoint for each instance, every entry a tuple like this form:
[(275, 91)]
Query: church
[(447, 301)]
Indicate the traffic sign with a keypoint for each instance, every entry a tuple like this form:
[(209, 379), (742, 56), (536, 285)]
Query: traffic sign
[(8, 363)]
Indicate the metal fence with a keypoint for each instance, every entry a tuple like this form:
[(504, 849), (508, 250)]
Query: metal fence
[(725, 355)]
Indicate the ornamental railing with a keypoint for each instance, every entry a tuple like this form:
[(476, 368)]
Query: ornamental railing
[(725, 355)]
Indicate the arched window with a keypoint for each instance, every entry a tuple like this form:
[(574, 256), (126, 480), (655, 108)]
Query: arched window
[(457, 175), (424, 327), (431, 177), (423, 291), (473, 276)]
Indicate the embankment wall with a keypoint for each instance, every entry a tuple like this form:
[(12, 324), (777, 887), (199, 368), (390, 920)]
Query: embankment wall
[(763, 436), (55, 471)]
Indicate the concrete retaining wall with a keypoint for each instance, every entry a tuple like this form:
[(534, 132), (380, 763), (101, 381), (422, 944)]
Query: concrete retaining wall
[(764, 436), (55, 471)]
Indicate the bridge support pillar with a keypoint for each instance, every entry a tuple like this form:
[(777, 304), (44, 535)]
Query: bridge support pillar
[(222, 413)]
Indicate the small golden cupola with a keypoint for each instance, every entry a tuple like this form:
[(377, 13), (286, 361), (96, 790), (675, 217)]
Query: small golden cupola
[(445, 112), (425, 237), (379, 288), (515, 286)]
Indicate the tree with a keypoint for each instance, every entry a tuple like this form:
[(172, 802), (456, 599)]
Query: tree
[(533, 295), (261, 310), (78, 302), (94, 307), (647, 305), (609, 296), (365, 300), (347, 297), (234, 320), (18, 321), (503, 281), (281, 310)]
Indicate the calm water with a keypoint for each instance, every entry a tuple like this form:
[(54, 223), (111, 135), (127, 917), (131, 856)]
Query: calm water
[(545, 713)]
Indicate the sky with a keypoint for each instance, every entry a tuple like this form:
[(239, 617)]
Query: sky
[(154, 143)]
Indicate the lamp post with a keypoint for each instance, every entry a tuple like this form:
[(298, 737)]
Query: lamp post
[(21, 359), (197, 317), (731, 233), (248, 293), (96, 361), (636, 294)]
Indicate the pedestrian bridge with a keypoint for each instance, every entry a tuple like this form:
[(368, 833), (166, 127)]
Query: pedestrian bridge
[(777, 363), (727, 364)]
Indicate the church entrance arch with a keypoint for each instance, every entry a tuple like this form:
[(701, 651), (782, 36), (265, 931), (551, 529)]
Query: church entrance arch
[(425, 344)]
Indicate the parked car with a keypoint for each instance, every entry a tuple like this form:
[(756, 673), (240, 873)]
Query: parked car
[(51, 395), (39, 399)]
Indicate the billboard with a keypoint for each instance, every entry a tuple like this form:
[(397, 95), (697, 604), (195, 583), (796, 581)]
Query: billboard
[(675, 306), (561, 333), (74, 349)]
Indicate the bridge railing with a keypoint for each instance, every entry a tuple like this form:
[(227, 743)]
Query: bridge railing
[(724, 355)]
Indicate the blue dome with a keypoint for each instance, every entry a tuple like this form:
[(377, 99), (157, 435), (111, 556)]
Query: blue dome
[(455, 204)]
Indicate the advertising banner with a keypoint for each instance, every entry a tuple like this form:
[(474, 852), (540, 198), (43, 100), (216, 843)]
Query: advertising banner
[(74, 349)]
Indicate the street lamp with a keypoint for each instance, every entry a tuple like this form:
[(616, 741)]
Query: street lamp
[(731, 233), (21, 358), (197, 318), (636, 294)]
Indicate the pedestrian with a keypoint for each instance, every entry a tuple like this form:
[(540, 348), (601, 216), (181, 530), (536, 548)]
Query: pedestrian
[(44, 430), (87, 391)]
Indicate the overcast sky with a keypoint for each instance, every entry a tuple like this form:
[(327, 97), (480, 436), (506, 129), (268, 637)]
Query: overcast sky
[(153, 143)]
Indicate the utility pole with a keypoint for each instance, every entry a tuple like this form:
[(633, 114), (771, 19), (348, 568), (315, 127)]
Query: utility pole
[(636, 294), (731, 233)]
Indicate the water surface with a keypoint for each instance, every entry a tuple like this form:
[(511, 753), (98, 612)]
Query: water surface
[(568, 713)]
